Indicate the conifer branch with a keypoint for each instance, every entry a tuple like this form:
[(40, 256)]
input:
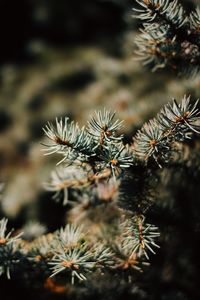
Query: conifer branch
[(9, 256), (98, 145), (100, 164), (169, 38), (175, 123)]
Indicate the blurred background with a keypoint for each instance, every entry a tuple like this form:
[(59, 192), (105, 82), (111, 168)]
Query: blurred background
[(67, 58)]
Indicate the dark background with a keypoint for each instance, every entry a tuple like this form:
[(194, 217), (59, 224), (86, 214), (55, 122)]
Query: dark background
[(57, 23)]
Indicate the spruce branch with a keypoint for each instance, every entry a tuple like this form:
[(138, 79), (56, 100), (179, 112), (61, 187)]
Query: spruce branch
[(149, 141), (76, 262), (161, 11), (98, 145), (9, 255), (125, 259), (103, 128), (71, 182), (103, 255), (70, 236), (69, 140), (175, 122), (116, 239), (99, 177), (195, 20), (142, 236), (169, 38), (41, 249), (62, 179), (180, 118), (116, 158)]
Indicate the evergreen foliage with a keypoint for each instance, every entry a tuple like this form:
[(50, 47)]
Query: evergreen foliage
[(109, 185), (170, 38), (96, 163)]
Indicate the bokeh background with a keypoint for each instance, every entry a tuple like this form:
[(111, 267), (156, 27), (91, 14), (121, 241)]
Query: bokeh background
[(67, 58)]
